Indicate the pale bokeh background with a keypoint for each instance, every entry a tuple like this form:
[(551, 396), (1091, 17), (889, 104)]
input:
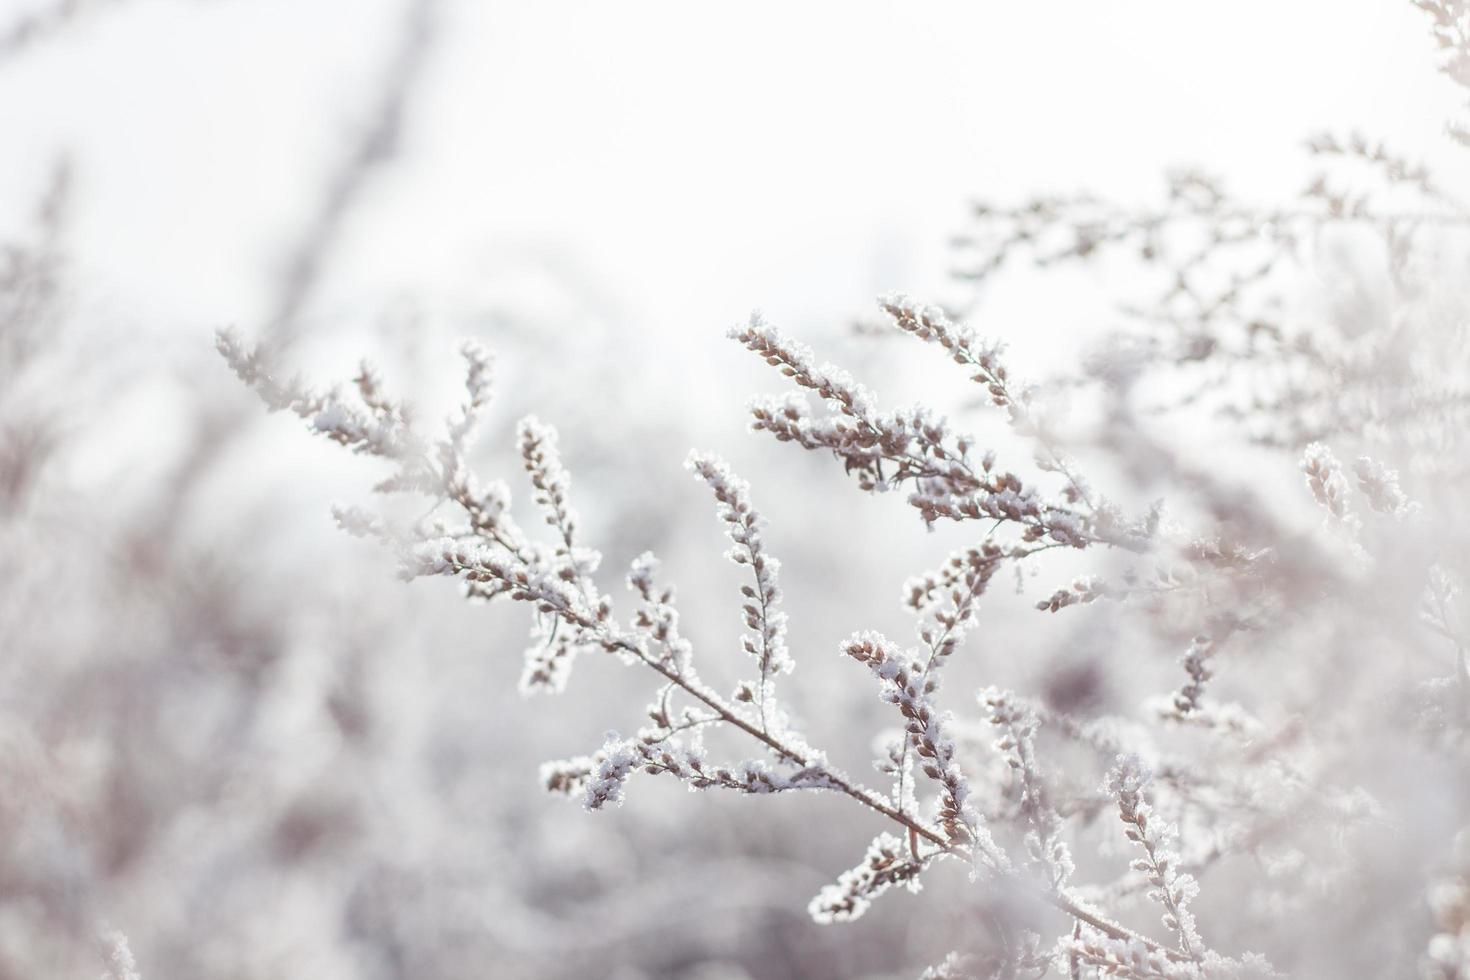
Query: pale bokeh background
[(681, 163)]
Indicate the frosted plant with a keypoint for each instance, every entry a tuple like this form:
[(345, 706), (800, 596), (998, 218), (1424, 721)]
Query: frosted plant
[(1261, 685), (491, 554)]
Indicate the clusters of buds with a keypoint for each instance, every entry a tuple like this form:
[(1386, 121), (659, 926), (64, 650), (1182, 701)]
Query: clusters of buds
[(1086, 589), (930, 323), (1132, 960), (1196, 664), (765, 639), (907, 685), (378, 426), (1380, 485), (887, 863), (549, 478), (915, 446), (1124, 958), (1172, 888), (1325, 479), (1019, 725), (603, 779), (944, 600), (657, 618), (549, 658)]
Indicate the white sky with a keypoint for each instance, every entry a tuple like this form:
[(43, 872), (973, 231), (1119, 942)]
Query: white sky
[(685, 161)]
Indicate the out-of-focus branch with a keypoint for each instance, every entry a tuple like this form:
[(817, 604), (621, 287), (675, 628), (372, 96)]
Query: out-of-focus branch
[(376, 147), (42, 24)]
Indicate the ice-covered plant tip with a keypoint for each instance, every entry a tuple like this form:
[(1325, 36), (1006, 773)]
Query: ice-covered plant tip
[(1011, 832)]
